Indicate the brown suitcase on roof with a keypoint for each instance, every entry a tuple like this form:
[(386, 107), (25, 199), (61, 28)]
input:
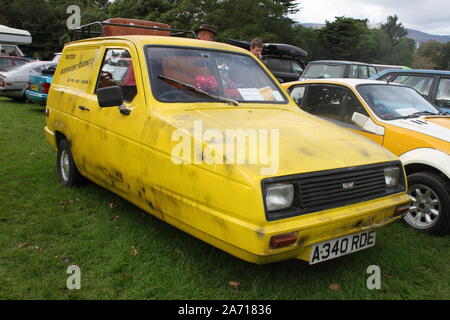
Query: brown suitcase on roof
[(123, 31)]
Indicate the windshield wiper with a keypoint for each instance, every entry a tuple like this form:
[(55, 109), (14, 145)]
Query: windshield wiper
[(420, 113), (191, 88)]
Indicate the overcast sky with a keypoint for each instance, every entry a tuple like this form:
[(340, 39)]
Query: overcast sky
[(431, 16)]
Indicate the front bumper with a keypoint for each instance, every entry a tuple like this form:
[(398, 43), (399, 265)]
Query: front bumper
[(332, 224), (251, 242)]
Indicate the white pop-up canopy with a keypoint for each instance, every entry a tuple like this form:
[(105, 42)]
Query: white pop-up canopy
[(14, 36)]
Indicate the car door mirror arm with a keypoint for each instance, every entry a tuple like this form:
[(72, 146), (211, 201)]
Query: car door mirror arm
[(123, 110), (366, 124)]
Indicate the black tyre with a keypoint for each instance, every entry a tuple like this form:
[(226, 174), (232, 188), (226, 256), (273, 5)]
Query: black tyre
[(67, 170), (430, 209)]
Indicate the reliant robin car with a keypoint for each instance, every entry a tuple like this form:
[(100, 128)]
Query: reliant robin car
[(400, 119), (202, 136)]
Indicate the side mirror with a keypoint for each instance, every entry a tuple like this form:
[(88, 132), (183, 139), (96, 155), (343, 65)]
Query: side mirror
[(366, 124), (110, 97), (359, 119)]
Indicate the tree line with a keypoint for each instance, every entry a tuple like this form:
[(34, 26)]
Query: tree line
[(343, 39)]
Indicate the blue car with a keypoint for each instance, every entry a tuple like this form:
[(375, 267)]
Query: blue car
[(433, 85), (39, 85)]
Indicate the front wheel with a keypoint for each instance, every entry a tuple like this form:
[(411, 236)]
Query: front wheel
[(67, 170), (430, 208)]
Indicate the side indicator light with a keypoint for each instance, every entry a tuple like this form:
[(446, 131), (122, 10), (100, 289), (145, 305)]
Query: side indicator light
[(283, 240), (402, 209)]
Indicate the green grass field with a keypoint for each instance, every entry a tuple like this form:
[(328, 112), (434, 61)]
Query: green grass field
[(125, 253)]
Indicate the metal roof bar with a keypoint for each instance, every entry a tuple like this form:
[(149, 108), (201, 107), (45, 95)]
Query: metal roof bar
[(88, 26)]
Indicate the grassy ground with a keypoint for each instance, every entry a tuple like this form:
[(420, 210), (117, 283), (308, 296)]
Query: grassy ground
[(125, 253)]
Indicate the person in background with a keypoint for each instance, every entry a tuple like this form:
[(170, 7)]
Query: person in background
[(206, 32), (3, 52), (256, 47)]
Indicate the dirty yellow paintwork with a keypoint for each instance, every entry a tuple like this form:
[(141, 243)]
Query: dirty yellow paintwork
[(221, 204)]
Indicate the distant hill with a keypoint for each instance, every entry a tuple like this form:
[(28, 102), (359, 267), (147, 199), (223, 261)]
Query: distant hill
[(420, 36), (416, 35)]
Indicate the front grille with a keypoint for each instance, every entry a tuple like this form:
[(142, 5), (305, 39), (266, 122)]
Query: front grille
[(329, 189)]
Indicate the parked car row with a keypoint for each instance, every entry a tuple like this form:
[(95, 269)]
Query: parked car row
[(27, 80), (14, 82)]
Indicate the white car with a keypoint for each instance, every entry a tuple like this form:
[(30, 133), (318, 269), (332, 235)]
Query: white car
[(13, 82)]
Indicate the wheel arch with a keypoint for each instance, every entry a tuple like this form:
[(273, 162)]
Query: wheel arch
[(427, 160), (59, 136)]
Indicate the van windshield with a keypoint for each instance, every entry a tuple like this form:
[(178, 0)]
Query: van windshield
[(222, 74)]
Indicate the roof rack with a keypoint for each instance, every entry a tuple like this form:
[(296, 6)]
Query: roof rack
[(85, 31)]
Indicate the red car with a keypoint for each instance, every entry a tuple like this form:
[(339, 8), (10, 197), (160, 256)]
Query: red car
[(8, 62)]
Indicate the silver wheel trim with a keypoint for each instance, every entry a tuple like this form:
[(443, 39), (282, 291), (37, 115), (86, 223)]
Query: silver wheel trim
[(425, 207), (65, 165)]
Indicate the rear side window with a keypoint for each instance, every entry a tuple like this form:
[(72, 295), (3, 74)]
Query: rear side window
[(372, 71), (443, 92), (280, 65), (117, 70), (41, 68), (363, 72), (353, 71), (11, 51), (5, 63), (420, 83)]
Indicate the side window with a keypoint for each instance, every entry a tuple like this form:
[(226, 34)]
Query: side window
[(297, 68), (117, 70), (5, 63), (11, 51), (387, 77), (420, 83), (363, 73), (19, 62), (443, 93), (333, 102), (297, 94), (41, 68), (372, 71), (353, 71)]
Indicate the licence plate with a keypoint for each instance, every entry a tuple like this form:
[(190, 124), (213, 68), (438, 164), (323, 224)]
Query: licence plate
[(34, 87), (341, 246)]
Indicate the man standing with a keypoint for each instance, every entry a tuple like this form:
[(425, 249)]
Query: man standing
[(206, 32), (256, 47)]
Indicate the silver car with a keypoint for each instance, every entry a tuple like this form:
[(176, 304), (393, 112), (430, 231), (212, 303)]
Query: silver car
[(13, 82)]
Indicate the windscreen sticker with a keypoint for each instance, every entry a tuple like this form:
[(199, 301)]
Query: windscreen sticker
[(406, 111), (251, 94), (277, 95)]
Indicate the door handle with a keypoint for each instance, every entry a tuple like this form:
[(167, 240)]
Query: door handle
[(83, 108)]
